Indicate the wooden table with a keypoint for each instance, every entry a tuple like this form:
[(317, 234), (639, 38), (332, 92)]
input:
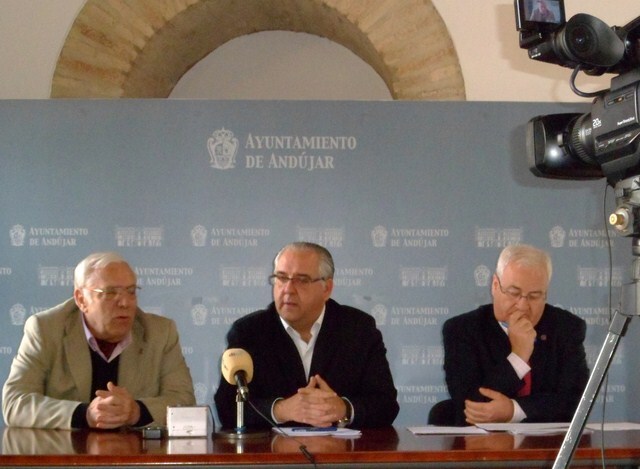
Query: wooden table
[(389, 447)]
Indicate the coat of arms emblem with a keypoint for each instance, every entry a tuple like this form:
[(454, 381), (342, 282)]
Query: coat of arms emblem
[(223, 147)]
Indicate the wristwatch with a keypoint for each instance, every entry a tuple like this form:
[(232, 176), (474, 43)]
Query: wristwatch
[(346, 420)]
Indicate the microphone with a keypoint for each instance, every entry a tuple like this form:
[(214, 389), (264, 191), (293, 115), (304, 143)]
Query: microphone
[(237, 369)]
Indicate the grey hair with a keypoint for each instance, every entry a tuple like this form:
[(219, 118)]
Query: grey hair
[(525, 255), (326, 267), (93, 262)]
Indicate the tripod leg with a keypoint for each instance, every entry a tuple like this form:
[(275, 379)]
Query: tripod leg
[(616, 331)]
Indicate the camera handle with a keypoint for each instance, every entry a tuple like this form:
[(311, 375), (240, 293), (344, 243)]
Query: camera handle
[(617, 329)]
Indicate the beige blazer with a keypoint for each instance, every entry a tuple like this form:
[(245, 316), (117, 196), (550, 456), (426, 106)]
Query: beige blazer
[(51, 373)]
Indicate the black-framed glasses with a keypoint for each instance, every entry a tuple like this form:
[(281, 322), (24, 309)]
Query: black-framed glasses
[(296, 280), (111, 293), (515, 293)]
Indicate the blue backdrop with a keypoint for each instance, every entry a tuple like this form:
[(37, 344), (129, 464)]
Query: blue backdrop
[(414, 199)]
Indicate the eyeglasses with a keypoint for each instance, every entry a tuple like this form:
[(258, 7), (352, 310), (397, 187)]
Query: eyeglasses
[(515, 293), (111, 293), (296, 280)]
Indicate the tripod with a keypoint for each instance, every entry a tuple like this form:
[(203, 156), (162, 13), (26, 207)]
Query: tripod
[(624, 220)]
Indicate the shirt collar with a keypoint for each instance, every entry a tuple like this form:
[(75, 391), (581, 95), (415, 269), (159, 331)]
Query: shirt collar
[(314, 328), (93, 343)]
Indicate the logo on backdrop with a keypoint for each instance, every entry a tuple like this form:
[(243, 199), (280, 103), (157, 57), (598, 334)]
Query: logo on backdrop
[(379, 236), (580, 238), (223, 148), (593, 316), (352, 276), (599, 277), (408, 237), (424, 316), (289, 152), (199, 314), (421, 394), (199, 236), (228, 237), (53, 276), (18, 314), (379, 313), (139, 237), (481, 275), (17, 234), (423, 276), (162, 276), (327, 237), (46, 236), (557, 234), (498, 237), (219, 315), (244, 276), (430, 355)]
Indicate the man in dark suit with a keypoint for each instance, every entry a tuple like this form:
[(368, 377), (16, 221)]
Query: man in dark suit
[(315, 361), (518, 359)]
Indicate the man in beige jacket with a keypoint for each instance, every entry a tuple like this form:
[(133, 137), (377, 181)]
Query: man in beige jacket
[(97, 360)]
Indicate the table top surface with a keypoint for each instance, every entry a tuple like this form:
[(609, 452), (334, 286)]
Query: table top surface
[(385, 445)]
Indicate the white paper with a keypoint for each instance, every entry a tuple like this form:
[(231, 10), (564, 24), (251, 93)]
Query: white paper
[(438, 430), (614, 426), (526, 428), (316, 431)]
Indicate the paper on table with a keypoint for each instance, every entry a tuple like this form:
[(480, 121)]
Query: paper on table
[(614, 426), (316, 431), (550, 428), (438, 430)]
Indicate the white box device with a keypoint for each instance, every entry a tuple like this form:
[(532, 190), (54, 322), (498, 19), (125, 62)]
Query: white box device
[(188, 421)]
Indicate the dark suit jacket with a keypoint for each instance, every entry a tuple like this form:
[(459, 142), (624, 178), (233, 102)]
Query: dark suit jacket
[(475, 355), (349, 355)]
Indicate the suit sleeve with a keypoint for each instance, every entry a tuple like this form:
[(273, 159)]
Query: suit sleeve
[(558, 403), (375, 403), (172, 385), (24, 399), (468, 365), (225, 396)]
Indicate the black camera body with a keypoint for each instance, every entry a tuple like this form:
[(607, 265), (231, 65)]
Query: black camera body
[(606, 141), (602, 143)]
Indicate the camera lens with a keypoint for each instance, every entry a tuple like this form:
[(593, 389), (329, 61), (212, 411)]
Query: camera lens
[(581, 139), (586, 40), (581, 39)]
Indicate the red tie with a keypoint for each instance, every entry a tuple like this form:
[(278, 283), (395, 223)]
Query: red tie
[(525, 390)]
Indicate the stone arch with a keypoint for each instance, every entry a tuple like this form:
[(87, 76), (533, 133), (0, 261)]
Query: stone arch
[(141, 48)]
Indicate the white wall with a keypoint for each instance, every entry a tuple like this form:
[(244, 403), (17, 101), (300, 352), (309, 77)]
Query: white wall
[(495, 69)]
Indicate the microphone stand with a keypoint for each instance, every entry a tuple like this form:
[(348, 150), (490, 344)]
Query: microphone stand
[(617, 329), (240, 432)]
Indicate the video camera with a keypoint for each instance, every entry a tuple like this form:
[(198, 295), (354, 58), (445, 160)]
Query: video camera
[(606, 141)]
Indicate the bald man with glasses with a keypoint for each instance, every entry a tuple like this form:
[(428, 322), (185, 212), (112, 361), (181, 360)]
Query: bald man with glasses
[(316, 362), (518, 359)]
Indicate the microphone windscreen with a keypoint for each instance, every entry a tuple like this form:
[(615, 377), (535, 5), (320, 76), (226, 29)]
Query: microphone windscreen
[(235, 360)]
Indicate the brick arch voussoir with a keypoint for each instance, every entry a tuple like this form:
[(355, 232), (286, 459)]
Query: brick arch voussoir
[(141, 48)]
